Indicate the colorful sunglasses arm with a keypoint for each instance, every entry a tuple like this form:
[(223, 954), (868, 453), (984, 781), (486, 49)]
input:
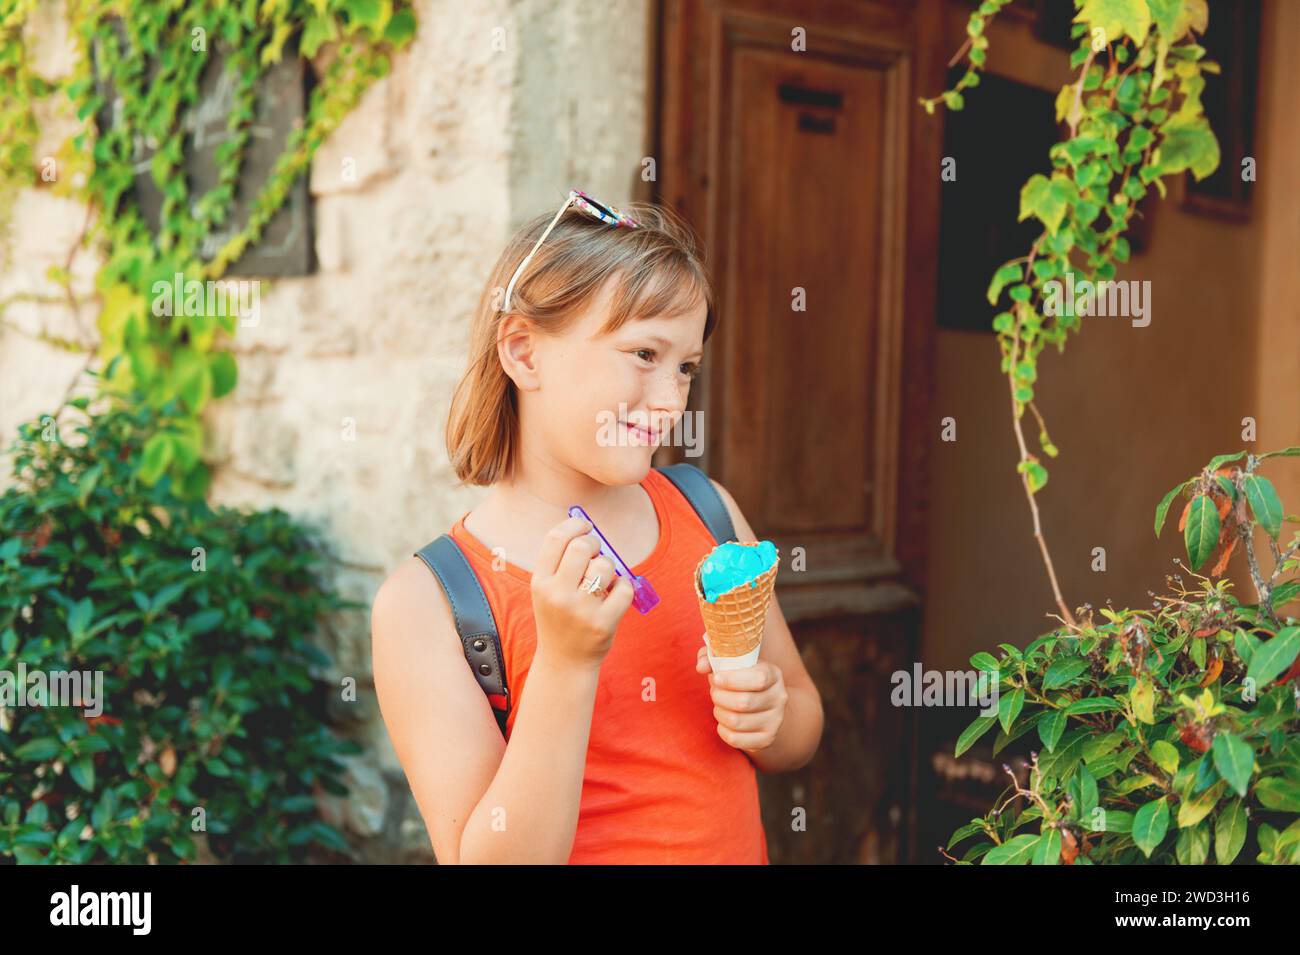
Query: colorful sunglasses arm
[(598, 210), (573, 194)]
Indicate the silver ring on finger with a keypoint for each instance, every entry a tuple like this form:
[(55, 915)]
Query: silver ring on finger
[(593, 586)]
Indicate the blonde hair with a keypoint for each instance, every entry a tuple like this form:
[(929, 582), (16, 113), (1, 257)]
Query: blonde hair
[(661, 271)]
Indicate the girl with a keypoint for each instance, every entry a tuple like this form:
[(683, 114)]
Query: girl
[(624, 748)]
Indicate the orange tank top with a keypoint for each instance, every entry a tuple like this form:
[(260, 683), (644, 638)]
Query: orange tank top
[(660, 785)]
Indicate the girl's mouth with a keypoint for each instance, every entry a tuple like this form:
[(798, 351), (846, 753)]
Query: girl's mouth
[(640, 435)]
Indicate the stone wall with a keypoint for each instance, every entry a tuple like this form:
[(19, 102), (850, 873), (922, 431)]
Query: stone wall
[(487, 119)]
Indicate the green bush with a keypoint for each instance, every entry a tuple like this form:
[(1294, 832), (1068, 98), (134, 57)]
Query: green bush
[(199, 622), (1169, 734)]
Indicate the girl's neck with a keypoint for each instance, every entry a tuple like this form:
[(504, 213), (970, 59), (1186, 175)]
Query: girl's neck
[(545, 494), (519, 512)]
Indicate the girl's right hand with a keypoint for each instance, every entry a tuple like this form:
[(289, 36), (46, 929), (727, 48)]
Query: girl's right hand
[(574, 626)]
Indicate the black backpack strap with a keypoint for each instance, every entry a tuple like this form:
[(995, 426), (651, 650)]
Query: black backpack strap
[(474, 621), (703, 496)]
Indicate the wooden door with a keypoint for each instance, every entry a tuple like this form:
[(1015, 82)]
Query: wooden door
[(788, 139)]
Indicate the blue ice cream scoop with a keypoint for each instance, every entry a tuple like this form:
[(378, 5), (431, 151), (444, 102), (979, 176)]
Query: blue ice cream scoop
[(733, 564)]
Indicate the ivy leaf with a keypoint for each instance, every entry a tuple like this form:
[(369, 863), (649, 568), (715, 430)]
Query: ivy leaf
[(1188, 143), (1284, 593), (275, 47), (1047, 199), (82, 770), (1009, 707), (1280, 793), (1192, 847), (1143, 699), (1264, 503), (1163, 507), (1202, 530), (1067, 107), (1062, 671), (1150, 824), (1192, 15), (1219, 460), (1271, 659), (1018, 850), (1128, 97), (1050, 727), (1061, 761), (1008, 273), (1117, 820), (157, 455), (225, 373), (205, 620), (1165, 755), (1035, 474), (367, 12), (1284, 453), (1083, 790), (973, 732), (1165, 13), (1047, 851), (39, 750), (401, 28), (1092, 704), (1116, 19), (319, 31), (1229, 832), (1235, 761), (79, 617), (192, 378), (187, 443), (1159, 92)]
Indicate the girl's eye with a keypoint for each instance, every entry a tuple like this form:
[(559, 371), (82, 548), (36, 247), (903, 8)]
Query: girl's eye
[(692, 371)]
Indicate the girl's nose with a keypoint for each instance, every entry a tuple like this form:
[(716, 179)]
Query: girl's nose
[(669, 394)]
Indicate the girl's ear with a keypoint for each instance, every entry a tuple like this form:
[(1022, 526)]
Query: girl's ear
[(517, 349)]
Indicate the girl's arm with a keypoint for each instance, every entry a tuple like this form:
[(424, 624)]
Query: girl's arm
[(481, 801)]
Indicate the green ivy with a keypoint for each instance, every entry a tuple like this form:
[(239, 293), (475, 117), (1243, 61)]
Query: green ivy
[(153, 55), (1134, 116)]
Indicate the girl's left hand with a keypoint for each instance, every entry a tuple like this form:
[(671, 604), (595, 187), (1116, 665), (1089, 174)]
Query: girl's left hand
[(748, 704)]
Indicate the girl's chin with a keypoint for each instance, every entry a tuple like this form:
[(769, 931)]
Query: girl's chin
[(631, 467)]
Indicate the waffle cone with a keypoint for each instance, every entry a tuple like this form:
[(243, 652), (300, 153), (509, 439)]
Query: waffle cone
[(733, 624)]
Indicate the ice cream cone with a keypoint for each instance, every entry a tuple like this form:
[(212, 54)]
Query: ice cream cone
[(733, 623)]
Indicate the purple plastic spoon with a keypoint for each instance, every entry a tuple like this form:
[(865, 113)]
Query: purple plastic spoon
[(644, 597)]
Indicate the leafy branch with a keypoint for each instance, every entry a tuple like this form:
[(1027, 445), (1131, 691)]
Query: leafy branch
[(1164, 731), (153, 57), (1134, 117)]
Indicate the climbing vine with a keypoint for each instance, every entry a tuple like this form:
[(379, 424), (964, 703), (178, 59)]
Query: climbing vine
[(152, 56), (1134, 118)]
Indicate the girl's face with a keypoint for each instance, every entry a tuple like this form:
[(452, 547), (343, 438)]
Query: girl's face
[(601, 404)]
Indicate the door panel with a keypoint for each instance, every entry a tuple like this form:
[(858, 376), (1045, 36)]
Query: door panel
[(792, 164), (803, 296)]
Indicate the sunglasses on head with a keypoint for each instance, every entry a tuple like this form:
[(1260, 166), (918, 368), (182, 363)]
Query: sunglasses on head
[(580, 200)]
